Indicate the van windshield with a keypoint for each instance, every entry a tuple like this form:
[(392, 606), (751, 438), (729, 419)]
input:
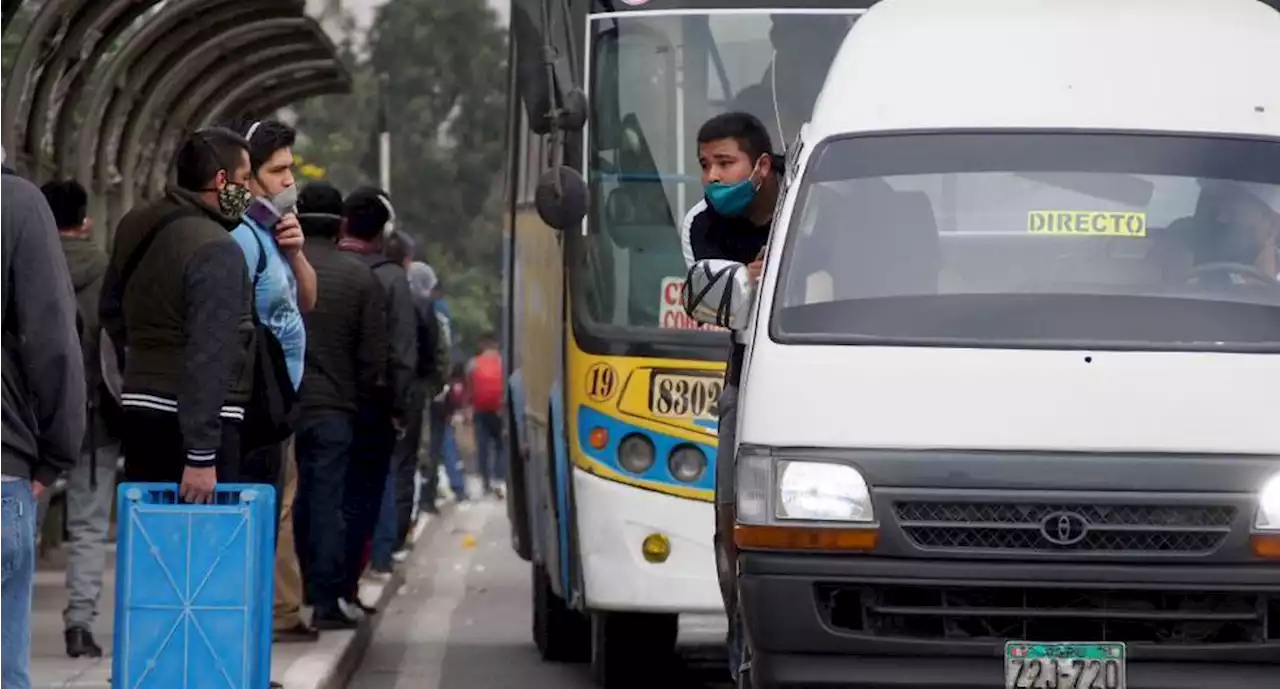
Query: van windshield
[(1075, 240)]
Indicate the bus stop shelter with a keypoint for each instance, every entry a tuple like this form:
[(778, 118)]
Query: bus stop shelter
[(103, 91)]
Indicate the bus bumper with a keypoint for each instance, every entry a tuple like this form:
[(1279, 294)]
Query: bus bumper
[(614, 519), (827, 620)]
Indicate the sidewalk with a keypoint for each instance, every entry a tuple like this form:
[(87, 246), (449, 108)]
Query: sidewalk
[(325, 664)]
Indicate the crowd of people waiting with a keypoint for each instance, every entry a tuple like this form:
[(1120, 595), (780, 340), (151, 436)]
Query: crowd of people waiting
[(240, 330)]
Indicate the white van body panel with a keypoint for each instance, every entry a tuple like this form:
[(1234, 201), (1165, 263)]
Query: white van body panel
[(1156, 65), (1139, 65), (993, 399)]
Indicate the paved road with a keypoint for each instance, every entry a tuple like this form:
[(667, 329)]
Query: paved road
[(462, 621)]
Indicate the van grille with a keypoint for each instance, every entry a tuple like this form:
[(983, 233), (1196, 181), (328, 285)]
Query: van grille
[(1065, 527), (1165, 617)]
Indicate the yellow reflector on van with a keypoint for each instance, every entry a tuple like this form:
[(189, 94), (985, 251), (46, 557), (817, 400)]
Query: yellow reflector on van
[(656, 548), (772, 537)]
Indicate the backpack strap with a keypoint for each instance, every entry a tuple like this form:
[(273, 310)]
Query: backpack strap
[(261, 267), (138, 253)]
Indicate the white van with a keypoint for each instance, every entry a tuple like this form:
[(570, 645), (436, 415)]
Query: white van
[(1011, 407)]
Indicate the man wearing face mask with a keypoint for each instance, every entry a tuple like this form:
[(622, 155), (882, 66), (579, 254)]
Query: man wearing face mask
[(176, 298), (732, 222), (284, 286)]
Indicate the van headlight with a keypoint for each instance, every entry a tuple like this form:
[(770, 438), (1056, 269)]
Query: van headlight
[(1268, 518), (801, 490), (822, 491)]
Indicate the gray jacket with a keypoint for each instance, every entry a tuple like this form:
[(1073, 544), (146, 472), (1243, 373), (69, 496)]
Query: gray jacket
[(44, 387)]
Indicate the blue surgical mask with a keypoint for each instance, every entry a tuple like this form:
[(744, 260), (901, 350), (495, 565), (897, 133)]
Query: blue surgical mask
[(732, 199)]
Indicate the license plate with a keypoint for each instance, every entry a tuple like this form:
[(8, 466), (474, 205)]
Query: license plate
[(1081, 665), (679, 396)]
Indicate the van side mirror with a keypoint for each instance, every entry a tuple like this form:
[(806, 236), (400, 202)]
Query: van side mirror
[(561, 197), (718, 292)]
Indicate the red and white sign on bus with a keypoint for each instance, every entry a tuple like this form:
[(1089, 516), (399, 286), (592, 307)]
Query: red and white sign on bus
[(672, 314)]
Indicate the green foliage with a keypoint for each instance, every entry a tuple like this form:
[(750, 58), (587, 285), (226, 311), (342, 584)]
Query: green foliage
[(444, 65)]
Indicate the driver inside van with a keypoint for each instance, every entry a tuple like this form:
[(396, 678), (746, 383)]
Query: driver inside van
[(1236, 237), (732, 222)]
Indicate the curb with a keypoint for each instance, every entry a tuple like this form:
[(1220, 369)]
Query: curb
[(330, 667)]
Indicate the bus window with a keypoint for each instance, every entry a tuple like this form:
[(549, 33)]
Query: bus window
[(654, 80)]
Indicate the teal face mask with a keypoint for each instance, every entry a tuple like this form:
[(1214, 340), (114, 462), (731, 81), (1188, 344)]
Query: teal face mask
[(732, 199)]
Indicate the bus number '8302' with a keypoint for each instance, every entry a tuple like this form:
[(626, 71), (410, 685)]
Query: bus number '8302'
[(686, 397)]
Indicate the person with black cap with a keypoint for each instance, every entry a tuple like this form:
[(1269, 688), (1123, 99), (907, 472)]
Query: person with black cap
[(346, 363), (368, 218)]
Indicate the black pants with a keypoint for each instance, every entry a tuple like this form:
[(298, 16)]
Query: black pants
[(319, 525), (373, 441), (404, 461), (156, 453), (266, 465)]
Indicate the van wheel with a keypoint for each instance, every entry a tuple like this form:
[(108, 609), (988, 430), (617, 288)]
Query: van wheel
[(628, 647), (562, 635)]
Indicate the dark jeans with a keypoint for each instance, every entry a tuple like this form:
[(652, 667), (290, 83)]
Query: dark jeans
[(405, 462), (373, 441), (319, 526), (156, 453), (490, 454), (442, 449)]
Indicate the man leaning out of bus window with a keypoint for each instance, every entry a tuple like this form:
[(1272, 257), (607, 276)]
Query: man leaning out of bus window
[(732, 222)]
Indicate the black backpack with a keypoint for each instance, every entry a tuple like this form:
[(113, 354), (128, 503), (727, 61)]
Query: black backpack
[(272, 410), (428, 339)]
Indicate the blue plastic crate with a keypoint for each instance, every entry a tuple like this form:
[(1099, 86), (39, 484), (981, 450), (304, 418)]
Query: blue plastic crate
[(193, 588)]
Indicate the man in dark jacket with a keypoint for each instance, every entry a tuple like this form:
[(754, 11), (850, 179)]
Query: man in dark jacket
[(44, 401), (177, 296), (367, 219), (91, 484), (346, 362)]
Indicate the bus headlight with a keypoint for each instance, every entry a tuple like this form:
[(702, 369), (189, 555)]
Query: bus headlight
[(687, 463), (1268, 518), (822, 491), (635, 453)]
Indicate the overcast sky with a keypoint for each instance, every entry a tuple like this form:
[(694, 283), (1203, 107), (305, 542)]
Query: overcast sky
[(364, 9)]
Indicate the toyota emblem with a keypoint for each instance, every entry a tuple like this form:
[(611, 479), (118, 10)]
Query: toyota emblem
[(1064, 528)]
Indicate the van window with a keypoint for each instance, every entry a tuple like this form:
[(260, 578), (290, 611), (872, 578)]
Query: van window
[(1075, 240)]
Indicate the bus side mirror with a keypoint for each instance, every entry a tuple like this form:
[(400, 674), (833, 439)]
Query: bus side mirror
[(561, 197), (718, 292)]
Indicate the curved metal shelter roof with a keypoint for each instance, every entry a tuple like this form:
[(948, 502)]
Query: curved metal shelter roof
[(103, 90)]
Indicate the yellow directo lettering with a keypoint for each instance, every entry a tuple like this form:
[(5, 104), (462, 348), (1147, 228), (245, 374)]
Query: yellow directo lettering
[(1088, 223)]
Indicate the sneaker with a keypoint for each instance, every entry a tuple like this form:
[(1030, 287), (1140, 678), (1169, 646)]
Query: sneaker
[(298, 633), (334, 618), (379, 574), (358, 605), (400, 555)]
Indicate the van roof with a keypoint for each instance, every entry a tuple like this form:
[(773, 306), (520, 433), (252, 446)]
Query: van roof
[(1153, 65)]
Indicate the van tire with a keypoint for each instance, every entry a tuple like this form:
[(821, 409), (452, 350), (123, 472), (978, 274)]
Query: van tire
[(631, 647), (562, 635)]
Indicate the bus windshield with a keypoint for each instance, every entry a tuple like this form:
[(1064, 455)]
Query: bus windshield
[(655, 77)]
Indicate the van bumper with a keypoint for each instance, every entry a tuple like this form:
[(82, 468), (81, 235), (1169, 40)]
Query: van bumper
[(818, 620)]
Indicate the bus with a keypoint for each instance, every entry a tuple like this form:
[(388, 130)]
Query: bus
[(612, 406)]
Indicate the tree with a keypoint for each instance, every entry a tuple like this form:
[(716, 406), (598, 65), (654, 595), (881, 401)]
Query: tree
[(444, 65)]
